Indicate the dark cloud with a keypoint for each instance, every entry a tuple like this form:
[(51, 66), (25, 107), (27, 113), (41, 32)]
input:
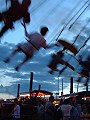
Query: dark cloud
[(38, 65), (54, 18)]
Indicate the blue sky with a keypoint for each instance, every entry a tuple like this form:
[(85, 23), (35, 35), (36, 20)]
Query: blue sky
[(56, 15)]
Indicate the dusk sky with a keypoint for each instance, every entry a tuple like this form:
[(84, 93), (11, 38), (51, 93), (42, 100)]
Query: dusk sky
[(55, 15)]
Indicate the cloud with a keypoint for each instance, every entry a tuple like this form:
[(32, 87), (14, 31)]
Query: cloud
[(55, 17), (38, 65)]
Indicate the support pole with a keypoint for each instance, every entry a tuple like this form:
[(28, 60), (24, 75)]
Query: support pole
[(18, 90), (31, 83), (62, 88), (71, 85)]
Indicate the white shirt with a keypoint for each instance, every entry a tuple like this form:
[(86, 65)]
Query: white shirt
[(16, 111), (40, 108), (48, 104), (36, 41), (66, 109)]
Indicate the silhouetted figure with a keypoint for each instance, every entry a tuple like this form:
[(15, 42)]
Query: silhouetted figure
[(85, 71), (16, 111), (16, 12), (57, 59), (34, 43)]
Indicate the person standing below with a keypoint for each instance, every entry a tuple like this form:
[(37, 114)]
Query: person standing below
[(40, 110), (78, 106), (16, 111), (50, 109), (66, 109)]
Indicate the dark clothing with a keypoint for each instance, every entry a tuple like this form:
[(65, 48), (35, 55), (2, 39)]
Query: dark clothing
[(14, 13), (50, 113)]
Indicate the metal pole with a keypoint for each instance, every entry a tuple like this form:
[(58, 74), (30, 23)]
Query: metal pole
[(58, 85), (39, 87), (18, 90), (87, 84), (77, 86), (31, 83), (62, 87), (71, 85)]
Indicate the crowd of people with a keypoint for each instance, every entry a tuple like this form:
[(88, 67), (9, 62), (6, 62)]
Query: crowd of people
[(38, 108)]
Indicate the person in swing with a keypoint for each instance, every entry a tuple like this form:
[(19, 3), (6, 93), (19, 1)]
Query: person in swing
[(34, 42), (58, 59), (15, 12)]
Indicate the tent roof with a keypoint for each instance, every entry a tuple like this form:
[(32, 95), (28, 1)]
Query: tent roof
[(38, 92), (80, 94), (44, 92)]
